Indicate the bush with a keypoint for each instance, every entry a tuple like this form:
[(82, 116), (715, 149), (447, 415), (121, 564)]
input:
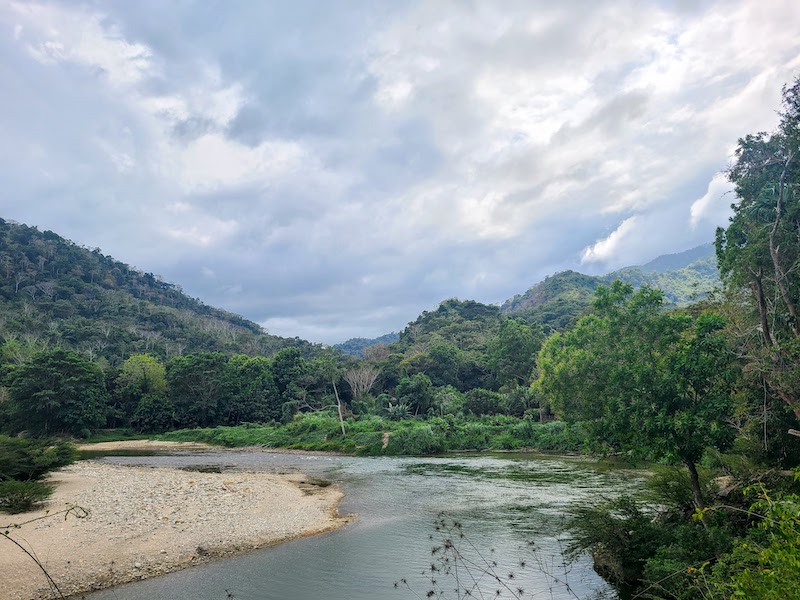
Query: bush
[(482, 402), (22, 496), (30, 459), (415, 440), (764, 563), (621, 535)]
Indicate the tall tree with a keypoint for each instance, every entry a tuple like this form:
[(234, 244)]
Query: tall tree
[(646, 381), (417, 392), (760, 248), (140, 375), (199, 386), (58, 392), (512, 353), (254, 395)]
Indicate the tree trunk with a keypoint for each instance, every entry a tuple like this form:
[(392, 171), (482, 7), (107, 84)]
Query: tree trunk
[(338, 405), (774, 252), (697, 493), (758, 291)]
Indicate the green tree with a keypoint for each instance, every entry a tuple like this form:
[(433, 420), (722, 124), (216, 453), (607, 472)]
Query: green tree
[(140, 375), (482, 402), (58, 392), (254, 395), (441, 363), (199, 387), (154, 413), (330, 372), (760, 250), (512, 353), (290, 371), (417, 392), (646, 381)]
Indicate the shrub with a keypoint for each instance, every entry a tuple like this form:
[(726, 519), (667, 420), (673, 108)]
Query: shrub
[(27, 459), (482, 402), (415, 440), (621, 536), (22, 496)]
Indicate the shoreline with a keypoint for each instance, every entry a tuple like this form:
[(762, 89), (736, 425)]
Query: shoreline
[(144, 522), (164, 446)]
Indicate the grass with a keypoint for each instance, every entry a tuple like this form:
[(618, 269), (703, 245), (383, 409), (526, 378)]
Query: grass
[(116, 435), (365, 436)]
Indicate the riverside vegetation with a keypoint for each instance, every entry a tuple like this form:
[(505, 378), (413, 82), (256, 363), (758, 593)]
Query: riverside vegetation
[(708, 391)]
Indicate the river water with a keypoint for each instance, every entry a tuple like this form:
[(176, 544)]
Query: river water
[(510, 507)]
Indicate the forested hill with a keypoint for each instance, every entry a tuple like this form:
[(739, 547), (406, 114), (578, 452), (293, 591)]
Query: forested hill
[(356, 346), (555, 302), (56, 293)]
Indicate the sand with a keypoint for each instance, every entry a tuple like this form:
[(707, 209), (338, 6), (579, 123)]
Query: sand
[(143, 522)]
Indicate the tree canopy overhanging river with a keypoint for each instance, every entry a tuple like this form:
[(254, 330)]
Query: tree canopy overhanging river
[(503, 502)]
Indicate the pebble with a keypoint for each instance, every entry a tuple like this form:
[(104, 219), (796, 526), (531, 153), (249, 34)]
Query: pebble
[(147, 521)]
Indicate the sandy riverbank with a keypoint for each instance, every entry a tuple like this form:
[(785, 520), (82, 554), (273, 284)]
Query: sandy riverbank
[(146, 445), (144, 522)]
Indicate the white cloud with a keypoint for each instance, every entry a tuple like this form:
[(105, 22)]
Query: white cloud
[(203, 231), (55, 34), (713, 205), (60, 34), (213, 162), (606, 249)]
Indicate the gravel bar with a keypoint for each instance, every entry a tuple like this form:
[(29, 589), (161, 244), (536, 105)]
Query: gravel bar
[(144, 522)]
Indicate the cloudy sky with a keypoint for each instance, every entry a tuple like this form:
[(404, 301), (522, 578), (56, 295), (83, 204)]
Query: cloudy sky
[(330, 169)]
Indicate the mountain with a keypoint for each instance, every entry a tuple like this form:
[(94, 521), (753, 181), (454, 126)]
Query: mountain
[(56, 293), (559, 299), (356, 346), (680, 260)]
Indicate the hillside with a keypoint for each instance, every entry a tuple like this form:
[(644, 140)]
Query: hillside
[(356, 346), (56, 293), (555, 302), (465, 324)]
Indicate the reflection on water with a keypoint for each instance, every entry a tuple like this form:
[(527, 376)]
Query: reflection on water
[(510, 506)]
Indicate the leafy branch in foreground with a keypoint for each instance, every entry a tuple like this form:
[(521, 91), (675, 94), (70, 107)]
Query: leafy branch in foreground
[(5, 531), (460, 569)]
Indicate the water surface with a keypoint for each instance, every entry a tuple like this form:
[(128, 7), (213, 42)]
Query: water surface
[(511, 509)]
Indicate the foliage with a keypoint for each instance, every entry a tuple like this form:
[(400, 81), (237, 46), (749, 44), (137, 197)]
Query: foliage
[(765, 563), (397, 412), (650, 382), (409, 436), (555, 302), (22, 496), (154, 413), (357, 346), (30, 459), (22, 463), (199, 388), (482, 402), (140, 375), (512, 354), (254, 392), (416, 440), (620, 535), (417, 392), (759, 250), (58, 392)]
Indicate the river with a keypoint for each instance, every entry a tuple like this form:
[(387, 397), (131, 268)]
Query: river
[(510, 508)]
